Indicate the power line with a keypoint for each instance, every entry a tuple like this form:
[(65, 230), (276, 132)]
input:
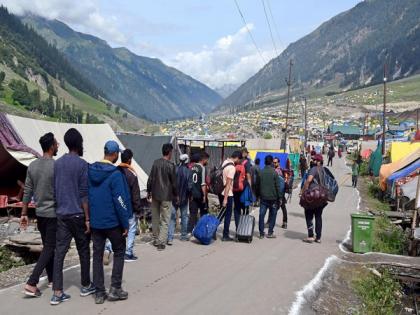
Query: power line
[(269, 27), (274, 22), (249, 32)]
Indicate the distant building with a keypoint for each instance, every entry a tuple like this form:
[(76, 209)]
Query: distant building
[(347, 132)]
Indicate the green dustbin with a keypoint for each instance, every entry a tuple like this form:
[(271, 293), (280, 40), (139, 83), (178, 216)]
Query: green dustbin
[(361, 232)]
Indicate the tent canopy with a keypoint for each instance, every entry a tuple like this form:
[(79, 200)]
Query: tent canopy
[(401, 149), (94, 138), (391, 168)]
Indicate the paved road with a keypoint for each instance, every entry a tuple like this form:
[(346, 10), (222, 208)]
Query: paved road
[(223, 278)]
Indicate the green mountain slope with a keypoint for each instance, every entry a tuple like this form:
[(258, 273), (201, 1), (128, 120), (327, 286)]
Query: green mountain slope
[(345, 52), (144, 86), (36, 80)]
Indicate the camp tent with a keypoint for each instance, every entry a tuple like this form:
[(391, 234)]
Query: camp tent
[(389, 169), (402, 149), (94, 138), (146, 149)]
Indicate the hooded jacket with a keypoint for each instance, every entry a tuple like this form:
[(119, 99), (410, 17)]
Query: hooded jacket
[(109, 197)]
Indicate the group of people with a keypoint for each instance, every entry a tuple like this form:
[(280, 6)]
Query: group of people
[(75, 200), (100, 202)]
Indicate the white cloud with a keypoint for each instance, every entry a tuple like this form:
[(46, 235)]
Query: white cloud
[(230, 61), (83, 15)]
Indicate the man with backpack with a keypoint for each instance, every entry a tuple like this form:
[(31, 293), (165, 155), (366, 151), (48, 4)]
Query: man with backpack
[(270, 196), (226, 197), (184, 185), (110, 209), (199, 190), (241, 179), (255, 173)]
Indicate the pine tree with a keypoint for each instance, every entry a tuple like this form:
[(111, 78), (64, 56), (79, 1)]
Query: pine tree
[(2, 77), (51, 90), (117, 109)]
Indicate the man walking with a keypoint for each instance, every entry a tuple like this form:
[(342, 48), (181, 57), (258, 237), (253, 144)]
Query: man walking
[(110, 209), (280, 173), (198, 191), (71, 195), (270, 194), (161, 188), (39, 184), (184, 184), (331, 155), (226, 198)]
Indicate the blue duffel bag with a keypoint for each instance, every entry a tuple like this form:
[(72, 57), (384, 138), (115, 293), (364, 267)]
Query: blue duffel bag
[(206, 227)]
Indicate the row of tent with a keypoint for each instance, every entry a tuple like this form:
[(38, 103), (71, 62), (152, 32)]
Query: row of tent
[(19, 146), (400, 177)]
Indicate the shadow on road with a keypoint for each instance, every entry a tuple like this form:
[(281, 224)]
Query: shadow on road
[(294, 235)]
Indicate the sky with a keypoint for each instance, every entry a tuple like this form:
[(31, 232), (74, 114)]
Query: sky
[(206, 39)]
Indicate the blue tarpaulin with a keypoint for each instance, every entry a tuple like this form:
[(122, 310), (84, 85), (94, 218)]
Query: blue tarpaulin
[(404, 172), (281, 156)]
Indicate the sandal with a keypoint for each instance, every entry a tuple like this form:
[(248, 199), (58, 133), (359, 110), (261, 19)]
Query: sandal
[(30, 293), (308, 240)]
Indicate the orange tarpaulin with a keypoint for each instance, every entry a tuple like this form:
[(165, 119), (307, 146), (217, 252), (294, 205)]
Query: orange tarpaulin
[(389, 169)]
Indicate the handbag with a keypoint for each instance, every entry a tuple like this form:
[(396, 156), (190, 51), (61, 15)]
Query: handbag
[(315, 196)]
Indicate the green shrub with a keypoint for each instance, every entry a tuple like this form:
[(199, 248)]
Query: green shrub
[(7, 260), (364, 168), (380, 294), (387, 237), (373, 188), (267, 135)]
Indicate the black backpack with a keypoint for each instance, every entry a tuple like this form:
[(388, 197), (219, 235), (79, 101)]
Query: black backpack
[(216, 179)]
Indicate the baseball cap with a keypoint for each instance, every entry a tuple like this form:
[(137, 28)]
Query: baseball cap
[(318, 157), (184, 158), (112, 146)]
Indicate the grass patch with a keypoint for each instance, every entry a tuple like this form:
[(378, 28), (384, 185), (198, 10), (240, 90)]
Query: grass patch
[(387, 237), (8, 260), (380, 294)]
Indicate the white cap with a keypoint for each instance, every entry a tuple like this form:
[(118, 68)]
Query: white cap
[(184, 158)]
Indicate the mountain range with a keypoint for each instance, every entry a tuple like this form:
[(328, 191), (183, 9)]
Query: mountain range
[(347, 52), (144, 86)]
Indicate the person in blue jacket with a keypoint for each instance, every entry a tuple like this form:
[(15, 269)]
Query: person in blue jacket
[(110, 210)]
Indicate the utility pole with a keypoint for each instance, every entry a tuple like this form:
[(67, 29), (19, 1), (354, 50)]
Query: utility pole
[(384, 110), (289, 83)]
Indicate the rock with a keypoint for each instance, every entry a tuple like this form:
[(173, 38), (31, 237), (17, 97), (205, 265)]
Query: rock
[(26, 239)]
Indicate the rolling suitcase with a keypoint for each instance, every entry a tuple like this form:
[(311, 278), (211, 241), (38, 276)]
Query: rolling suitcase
[(206, 227), (245, 231)]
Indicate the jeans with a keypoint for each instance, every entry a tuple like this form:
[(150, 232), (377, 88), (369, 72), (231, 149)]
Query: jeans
[(238, 207), (330, 161), (184, 221), (272, 215), (118, 244), (131, 237), (309, 216), (354, 180), (228, 214), (160, 219), (48, 229), (68, 228), (195, 205)]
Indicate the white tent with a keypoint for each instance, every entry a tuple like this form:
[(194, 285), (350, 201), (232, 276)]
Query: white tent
[(94, 138)]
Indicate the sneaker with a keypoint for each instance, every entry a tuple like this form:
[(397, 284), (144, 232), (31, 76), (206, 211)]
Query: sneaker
[(184, 238), (107, 257), (85, 291), (261, 236), (284, 225), (160, 247), (318, 241), (55, 300), (100, 298), (117, 294), (170, 242), (155, 242), (130, 258), (271, 236), (227, 239)]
